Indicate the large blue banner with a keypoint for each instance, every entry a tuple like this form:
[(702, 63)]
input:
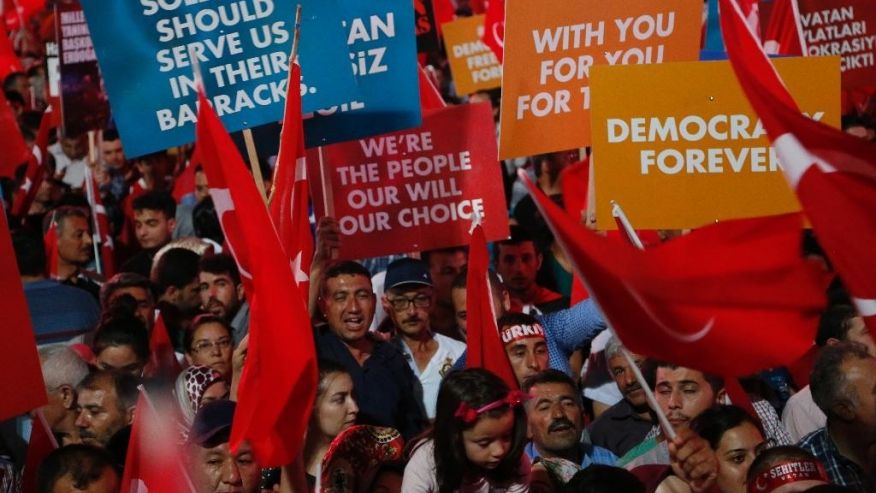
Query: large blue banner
[(383, 51), (242, 46)]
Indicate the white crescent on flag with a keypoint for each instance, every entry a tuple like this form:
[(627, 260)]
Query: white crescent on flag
[(223, 203), (688, 338)]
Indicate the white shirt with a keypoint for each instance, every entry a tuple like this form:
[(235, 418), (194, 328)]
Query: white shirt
[(449, 350), (802, 416), (74, 170)]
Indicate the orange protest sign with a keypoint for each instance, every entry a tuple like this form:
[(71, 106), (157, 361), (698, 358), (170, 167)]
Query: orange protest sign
[(473, 65), (678, 146), (550, 47)]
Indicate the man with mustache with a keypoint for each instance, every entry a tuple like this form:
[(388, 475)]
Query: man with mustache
[(222, 293), (624, 425), (106, 402), (555, 421), (409, 301)]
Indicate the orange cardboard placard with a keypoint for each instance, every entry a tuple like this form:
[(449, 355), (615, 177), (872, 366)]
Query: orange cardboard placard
[(473, 65), (678, 146), (551, 46)]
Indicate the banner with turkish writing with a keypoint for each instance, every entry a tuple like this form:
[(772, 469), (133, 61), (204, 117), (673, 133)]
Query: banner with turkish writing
[(551, 46), (416, 189)]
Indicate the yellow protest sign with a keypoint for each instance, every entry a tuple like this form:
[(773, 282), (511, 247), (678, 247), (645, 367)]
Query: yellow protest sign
[(678, 146), (473, 65), (551, 46)]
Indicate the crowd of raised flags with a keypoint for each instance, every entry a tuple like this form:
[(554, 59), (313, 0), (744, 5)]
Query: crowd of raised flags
[(182, 322)]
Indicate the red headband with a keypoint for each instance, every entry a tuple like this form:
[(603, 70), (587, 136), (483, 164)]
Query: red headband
[(790, 471), (469, 415), (516, 332)]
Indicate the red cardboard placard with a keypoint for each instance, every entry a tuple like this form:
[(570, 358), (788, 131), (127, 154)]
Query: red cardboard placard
[(416, 189)]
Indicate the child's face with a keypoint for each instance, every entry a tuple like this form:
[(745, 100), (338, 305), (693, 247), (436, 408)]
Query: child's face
[(489, 440)]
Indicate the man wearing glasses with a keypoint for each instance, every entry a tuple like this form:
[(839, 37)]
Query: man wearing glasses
[(409, 301)]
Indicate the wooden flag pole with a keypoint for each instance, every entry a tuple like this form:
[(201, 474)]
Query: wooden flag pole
[(254, 163)]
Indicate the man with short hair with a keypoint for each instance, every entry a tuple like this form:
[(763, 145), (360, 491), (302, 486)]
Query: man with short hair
[(221, 292), (58, 312), (121, 344), (78, 468), (70, 153), (844, 387), (154, 218), (838, 323), (113, 176), (565, 330), (409, 301), (555, 421), (387, 390), (74, 247), (214, 468), (135, 286), (627, 423), (518, 261), (63, 370), (525, 344), (105, 406), (444, 265), (175, 277)]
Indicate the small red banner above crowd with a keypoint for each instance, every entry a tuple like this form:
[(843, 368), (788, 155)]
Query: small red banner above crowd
[(416, 189)]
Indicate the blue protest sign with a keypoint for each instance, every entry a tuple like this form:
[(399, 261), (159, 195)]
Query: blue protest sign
[(242, 47), (383, 50)]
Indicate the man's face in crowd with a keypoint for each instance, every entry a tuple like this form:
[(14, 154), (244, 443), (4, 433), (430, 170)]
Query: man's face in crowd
[(518, 265), (75, 147), (554, 418), (74, 240), (501, 304), (112, 153), (413, 319), (188, 297), (100, 414), (217, 470), (683, 394), (219, 295), (201, 188), (860, 379), (107, 482), (858, 332), (212, 346), (528, 356), (120, 358), (626, 380), (347, 302), (145, 304), (444, 267), (152, 228)]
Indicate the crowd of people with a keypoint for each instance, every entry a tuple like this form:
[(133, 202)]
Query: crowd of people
[(397, 409)]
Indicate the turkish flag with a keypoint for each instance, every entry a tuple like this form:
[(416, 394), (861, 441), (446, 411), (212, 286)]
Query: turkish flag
[(731, 298), (100, 225), (42, 442), (184, 184), (782, 34), (162, 359), (494, 28), (290, 198), (15, 151), (21, 378), (832, 173), (9, 61), (154, 461), (36, 167), (485, 349), (430, 97), (278, 385)]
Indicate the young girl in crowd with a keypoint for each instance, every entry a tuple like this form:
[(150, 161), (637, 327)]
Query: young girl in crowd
[(736, 440), (334, 411), (476, 443)]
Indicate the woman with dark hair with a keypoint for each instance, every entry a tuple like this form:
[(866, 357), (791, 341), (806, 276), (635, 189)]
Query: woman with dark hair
[(334, 411), (735, 438), (476, 443)]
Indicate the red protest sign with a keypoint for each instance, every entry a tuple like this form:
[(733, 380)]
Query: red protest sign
[(846, 28), (416, 189)]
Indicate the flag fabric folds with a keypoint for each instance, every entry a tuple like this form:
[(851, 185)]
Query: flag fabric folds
[(100, 226), (782, 34), (36, 167), (833, 174), (279, 379), (494, 28), (485, 349), (42, 442), (162, 359), (702, 299), (290, 197)]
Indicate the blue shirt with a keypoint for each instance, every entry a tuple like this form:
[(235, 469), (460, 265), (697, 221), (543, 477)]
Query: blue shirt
[(840, 470), (565, 331), (59, 312), (590, 454)]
